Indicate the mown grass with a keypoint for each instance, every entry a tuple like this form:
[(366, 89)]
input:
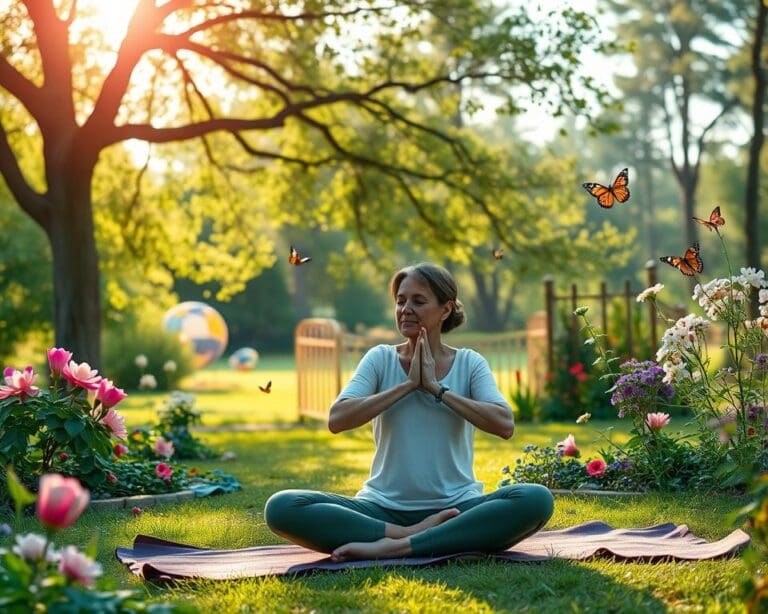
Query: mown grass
[(311, 457)]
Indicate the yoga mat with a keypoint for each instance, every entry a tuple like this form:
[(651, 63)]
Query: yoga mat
[(159, 560)]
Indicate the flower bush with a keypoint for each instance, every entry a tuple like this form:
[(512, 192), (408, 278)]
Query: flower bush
[(35, 576), (525, 401), (729, 442), (72, 418)]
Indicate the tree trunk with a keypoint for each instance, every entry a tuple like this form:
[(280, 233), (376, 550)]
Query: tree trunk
[(487, 303), (77, 314), (752, 192)]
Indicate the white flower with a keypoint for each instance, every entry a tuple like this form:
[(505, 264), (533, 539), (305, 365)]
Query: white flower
[(169, 366), (753, 277), (32, 547), (141, 361), (147, 381), (649, 293), (763, 296), (583, 418), (77, 566)]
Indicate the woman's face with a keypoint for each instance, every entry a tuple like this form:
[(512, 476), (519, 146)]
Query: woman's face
[(416, 306)]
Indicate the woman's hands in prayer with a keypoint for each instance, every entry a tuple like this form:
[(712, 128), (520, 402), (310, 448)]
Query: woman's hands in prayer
[(427, 368)]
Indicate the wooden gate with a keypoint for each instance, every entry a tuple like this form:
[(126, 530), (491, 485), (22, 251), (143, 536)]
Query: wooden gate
[(326, 357)]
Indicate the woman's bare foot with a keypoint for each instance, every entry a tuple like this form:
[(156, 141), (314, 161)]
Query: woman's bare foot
[(396, 531), (385, 548)]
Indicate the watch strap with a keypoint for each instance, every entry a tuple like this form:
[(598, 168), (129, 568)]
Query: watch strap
[(439, 395)]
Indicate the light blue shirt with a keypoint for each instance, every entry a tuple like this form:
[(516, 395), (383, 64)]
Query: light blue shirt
[(424, 451)]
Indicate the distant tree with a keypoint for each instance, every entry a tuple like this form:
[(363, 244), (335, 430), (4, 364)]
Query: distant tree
[(681, 57)]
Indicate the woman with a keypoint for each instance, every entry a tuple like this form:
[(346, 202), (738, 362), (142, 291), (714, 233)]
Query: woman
[(425, 399)]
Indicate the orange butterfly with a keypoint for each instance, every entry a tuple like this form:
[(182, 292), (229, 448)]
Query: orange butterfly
[(715, 220), (689, 264), (267, 388), (608, 195), (498, 253), (295, 258)]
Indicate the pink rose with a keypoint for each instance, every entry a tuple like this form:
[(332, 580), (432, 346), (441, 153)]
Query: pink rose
[(81, 375), (163, 471), (108, 394), (120, 449), (136, 511), (657, 421), (19, 383), (63, 456), (57, 360), (164, 448), (111, 477), (116, 423), (77, 566), (60, 501), (596, 467), (567, 447)]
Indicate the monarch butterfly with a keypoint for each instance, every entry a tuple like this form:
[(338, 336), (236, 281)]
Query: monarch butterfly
[(715, 220), (267, 388), (295, 258), (498, 253), (608, 195), (689, 264)]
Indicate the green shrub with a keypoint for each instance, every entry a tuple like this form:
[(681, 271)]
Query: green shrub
[(161, 349)]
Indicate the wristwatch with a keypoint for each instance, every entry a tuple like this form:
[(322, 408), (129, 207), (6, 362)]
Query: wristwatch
[(439, 395)]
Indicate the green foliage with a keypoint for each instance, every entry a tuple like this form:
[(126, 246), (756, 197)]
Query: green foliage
[(123, 344), (755, 516), (525, 402), (574, 386), (175, 418)]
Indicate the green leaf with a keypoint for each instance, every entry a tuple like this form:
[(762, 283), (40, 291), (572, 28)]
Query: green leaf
[(74, 427), (20, 495)]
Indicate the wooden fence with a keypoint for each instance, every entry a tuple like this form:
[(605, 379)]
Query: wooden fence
[(326, 357)]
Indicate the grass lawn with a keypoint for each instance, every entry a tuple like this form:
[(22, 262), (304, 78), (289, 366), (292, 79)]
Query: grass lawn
[(311, 457)]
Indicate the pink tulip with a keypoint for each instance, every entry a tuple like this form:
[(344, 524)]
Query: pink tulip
[(596, 467), (77, 566), (120, 449), (657, 421), (19, 383), (57, 360), (567, 447), (108, 394), (163, 471), (164, 448), (60, 501), (116, 423), (81, 375)]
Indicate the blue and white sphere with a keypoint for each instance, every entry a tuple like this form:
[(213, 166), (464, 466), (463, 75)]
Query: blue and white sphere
[(244, 359), (200, 327)]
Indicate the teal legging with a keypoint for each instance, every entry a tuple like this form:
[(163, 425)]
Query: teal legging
[(488, 523)]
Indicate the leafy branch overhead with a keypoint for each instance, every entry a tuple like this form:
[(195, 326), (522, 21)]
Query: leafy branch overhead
[(358, 99)]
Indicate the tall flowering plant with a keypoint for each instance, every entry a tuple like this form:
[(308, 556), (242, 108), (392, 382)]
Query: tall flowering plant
[(41, 427)]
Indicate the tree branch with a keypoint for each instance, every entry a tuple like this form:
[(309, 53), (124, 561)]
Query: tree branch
[(17, 84), (30, 201), (700, 142)]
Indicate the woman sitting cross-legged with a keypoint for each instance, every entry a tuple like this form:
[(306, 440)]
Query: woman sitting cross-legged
[(425, 399)]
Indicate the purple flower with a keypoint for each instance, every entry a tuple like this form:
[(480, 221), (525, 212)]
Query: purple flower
[(761, 362)]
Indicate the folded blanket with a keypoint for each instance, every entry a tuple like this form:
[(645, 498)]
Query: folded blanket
[(160, 560)]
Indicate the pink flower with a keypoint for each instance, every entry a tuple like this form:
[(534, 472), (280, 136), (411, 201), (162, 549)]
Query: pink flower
[(657, 421), (120, 449), (111, 477), (63, 456), (19, 383), (81, 375), (596, 467), (567, 447), (164, 448), (79, 567), (108, 394), (116, 423), (60, 501), (136, 511), (163, 471), (57, 360)]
